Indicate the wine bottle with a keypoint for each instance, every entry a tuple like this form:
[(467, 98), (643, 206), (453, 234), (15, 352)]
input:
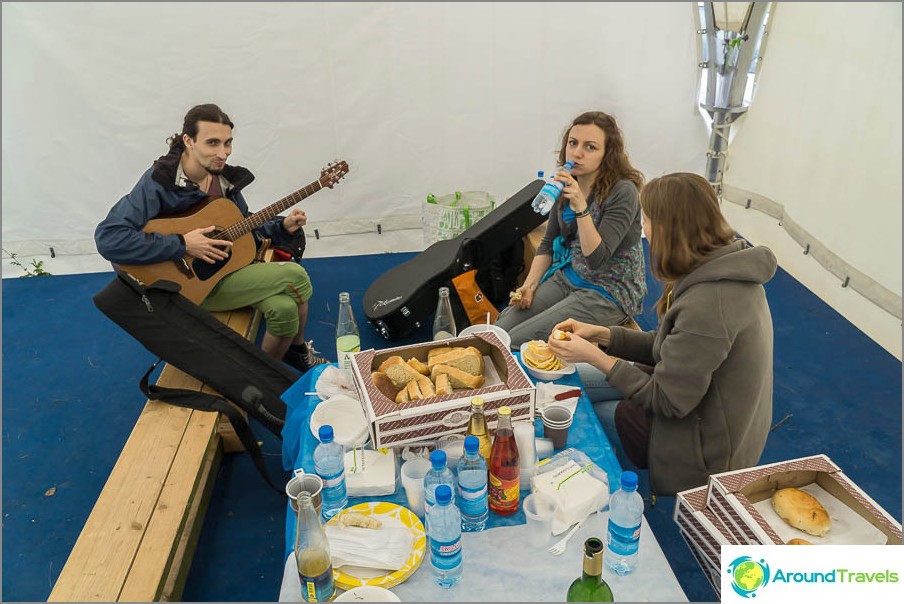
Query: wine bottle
[(590, 586)]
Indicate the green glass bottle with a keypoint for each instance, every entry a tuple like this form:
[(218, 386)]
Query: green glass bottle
[(590, 587)]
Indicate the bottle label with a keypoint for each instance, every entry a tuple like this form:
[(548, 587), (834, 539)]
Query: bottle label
[(319, 588), (345, 346), (504, 493), (445, 555), (472, 501), (331, 481), (623, 541)]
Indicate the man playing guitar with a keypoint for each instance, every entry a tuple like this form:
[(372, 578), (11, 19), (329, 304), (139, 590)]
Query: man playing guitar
[(193, 173)]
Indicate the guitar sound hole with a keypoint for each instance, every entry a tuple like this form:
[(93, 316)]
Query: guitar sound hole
[(205, 271)]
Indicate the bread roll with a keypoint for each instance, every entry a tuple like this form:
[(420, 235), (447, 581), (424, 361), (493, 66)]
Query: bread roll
[(384, 385), (802, 511), (798, 541)]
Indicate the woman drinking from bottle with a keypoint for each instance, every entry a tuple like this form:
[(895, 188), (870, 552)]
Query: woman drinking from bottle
[(590, 263)]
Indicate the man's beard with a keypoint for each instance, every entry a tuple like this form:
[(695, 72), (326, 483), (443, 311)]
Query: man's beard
[(214, 171)]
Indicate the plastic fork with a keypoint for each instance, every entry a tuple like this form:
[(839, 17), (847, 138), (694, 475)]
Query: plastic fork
[(558, 548)]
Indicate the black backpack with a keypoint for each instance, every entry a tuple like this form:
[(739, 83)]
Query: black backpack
[(194, 341)]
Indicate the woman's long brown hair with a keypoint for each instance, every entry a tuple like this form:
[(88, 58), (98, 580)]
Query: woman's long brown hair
[(687, 224), (616, 165)]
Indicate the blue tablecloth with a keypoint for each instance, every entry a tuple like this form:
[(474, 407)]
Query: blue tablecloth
[(585, 434)]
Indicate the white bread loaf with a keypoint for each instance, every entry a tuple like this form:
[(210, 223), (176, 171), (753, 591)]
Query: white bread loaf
[(469, 360), (457, 377), (802, 511)]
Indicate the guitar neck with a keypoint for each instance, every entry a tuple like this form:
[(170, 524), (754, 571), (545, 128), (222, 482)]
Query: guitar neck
[(258, 218)]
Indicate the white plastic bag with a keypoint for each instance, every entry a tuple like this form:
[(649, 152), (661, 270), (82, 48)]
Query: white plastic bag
[(448, 216)]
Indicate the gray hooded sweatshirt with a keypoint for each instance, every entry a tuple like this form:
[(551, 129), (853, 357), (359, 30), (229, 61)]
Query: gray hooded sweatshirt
[(710, 393)]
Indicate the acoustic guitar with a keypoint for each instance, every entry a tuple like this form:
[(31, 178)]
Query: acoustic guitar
[(197, 277)]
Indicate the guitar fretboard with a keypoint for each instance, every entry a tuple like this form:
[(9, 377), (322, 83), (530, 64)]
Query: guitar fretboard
[(258, 218)]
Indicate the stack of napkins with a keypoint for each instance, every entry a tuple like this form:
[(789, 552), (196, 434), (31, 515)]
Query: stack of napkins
[(369, 472), (385, 548), (576, 491), (547, 391)]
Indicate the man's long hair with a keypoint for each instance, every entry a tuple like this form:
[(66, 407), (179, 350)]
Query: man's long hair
[(199, 113)]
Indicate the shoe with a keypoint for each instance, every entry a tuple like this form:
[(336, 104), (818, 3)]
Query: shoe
[(303, 356)]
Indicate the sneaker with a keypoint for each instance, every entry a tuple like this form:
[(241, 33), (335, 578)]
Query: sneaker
[(303, 356)]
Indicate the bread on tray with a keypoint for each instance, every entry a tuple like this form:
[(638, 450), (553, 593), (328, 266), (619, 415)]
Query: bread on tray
[(802, 511)]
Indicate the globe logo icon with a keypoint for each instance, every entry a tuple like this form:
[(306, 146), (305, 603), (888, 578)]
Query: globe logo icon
[(748, 575)]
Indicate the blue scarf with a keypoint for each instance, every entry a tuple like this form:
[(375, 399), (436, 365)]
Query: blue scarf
[(561, 256)]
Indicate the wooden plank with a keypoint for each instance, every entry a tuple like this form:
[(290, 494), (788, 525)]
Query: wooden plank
[(103, 555), (165, 528)]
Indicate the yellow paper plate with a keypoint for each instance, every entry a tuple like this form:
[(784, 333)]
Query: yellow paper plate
[(349, 577)]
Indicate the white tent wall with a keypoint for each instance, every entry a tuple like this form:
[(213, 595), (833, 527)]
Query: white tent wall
[(416, 97), (823, 139)]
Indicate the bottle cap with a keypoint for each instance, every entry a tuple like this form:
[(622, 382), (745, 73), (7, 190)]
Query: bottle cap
[(344, 297), (505, 411), (477, 400), (592, 546), (628, 480), (472, 445), (325, 433), (569, 165), (438, 459), (443, 494)]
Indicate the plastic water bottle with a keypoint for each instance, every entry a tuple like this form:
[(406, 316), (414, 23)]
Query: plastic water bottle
[(472, 487), (437, 475), (546, 198), (348, 338), (444, 531), (625, 515), (329, 463)]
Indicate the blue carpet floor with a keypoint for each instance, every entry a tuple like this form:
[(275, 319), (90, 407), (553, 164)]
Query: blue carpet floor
[(70, 400)]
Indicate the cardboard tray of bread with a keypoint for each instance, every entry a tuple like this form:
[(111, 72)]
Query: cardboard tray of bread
[(417, 393), (804, 501)]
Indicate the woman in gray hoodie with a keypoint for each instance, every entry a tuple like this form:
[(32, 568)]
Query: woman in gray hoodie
[(706, 406)]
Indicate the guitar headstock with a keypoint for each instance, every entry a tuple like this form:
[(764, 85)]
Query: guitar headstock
[(333, 173)]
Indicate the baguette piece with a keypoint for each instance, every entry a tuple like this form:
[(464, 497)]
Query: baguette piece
[(469, 360), (384, 385), (418, 366), (443, 385), (414, 391), (401, 374), (426, 386), (802, 511), (390, 361), (360, 520), (457, 377), (438, 350), (402, 396)]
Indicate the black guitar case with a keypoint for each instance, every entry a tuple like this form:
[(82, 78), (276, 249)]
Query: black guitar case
[(404, 298)]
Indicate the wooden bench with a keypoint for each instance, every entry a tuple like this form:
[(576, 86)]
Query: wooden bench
[(531, 243), (138, 542)]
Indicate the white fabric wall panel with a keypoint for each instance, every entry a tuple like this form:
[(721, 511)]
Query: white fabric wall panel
[(416, 97), (823, 139)]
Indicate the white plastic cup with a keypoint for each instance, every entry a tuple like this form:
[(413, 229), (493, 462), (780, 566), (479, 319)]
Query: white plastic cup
[(413, 472), (539, 509), (524, 438), (544, 447)]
